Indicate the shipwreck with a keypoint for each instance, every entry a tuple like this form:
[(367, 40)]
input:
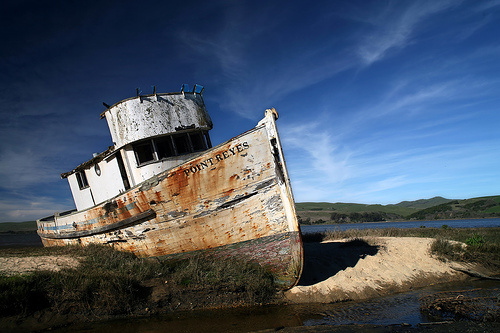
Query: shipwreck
[(161, 190)]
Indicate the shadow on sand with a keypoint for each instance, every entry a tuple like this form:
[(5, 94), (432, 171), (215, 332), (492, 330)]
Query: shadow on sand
[(324, 260)]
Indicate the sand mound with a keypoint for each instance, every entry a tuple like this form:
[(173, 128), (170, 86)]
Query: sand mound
[(349, 270)]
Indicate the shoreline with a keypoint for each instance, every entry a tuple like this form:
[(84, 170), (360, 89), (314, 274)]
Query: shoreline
[(404, 221), (334, 271)]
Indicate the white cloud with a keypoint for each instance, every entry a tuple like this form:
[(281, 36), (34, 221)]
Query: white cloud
[(373, 168), (316, 149), (487, 5), (394, 27), (29, 208), (25, 168)]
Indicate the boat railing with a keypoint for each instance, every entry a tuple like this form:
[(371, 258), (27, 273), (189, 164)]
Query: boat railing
[(52, 218)]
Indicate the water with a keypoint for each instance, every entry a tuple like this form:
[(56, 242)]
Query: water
[(469, 223), (20, 239), (390, 310), (394, 309)]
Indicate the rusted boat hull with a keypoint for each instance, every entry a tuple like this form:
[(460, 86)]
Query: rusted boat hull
[(233, 200)]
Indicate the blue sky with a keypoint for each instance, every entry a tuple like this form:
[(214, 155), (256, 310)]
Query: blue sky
[(379, 101)]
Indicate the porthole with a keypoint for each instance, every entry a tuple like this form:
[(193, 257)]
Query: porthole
[(97, 170)]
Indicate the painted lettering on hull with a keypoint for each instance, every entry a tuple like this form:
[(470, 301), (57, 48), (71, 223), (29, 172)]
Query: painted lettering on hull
[(230, 152)]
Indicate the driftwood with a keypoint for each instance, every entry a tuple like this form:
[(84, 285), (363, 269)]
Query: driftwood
[(475, 304)]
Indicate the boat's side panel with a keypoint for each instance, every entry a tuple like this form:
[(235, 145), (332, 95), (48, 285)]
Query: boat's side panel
[(281, 253), (104, 182), (82, 197), (232, 199)]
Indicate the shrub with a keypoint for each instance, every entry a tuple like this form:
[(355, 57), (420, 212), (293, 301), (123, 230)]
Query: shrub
[(476, 240)]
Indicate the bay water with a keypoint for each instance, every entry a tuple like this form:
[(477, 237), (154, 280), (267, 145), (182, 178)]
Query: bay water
[(466, 223)]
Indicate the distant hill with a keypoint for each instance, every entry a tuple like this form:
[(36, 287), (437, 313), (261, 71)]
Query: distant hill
[(423, 203), (423, 209), (29, 226), (461, 209), (352, 208)]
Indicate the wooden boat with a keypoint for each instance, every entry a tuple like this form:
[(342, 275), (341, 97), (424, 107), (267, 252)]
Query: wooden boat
[(162, 191)]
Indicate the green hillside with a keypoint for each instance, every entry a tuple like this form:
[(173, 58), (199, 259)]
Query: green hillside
[(423, 203), (352, 208), (461, 209), (29, 226), (423, 209)]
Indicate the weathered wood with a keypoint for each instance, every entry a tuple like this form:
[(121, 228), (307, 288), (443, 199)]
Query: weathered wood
[(141, 217), (230, 201)]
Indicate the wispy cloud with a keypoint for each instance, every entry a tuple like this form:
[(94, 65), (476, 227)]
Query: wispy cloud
[(393, 27), (364, 176), (322, 150), (386, 30), (281, 73), (25, 168), (486, 5), (28, 208)]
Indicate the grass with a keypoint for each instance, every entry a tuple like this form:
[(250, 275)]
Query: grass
[(109, 282)]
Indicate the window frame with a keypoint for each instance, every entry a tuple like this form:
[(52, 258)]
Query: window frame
[(154, 144), (137, 152), (81, 179)]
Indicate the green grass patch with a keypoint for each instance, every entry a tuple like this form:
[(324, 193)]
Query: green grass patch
[(339, 207)]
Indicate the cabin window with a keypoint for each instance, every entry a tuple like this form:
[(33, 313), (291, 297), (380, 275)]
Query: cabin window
[(164, 147), (82, 180), (198, 141), (170, 145), (182, 145), (144, 152), (207, 138)]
